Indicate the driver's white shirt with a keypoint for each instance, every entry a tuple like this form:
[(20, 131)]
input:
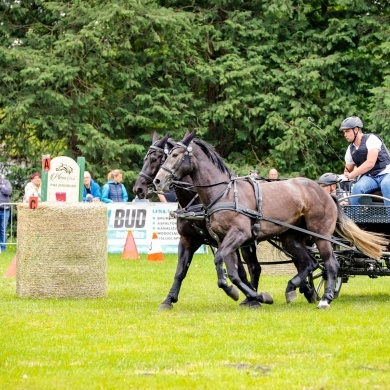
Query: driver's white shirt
[(373, 142)]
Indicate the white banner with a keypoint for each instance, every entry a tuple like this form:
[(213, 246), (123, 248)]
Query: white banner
[(143, 218)]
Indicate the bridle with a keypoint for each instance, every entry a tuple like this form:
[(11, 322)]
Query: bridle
[(151, 150), (187, 153)]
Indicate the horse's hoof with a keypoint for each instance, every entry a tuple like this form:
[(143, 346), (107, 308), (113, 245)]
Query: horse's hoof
[(166, 306), (233, 292), (266, 298), (312, 296), (251, 304), (324, 304), (254, 305), (291, 296)]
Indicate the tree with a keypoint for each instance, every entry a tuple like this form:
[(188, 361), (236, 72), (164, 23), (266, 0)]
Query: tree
[(97, 79)]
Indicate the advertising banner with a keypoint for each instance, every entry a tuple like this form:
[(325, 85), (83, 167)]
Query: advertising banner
[(143, 218)]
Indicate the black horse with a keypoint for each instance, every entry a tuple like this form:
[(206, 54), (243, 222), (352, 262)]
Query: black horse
[(240, 208), (193, 232)]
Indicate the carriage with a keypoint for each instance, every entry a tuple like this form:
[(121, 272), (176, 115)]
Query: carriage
[(323, 261), (371, 215)]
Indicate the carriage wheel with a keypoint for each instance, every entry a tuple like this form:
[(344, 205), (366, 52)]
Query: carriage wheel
[(317, 281), (337, 287)]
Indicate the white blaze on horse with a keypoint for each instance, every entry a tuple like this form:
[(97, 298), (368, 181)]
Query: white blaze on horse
[(241, 210)]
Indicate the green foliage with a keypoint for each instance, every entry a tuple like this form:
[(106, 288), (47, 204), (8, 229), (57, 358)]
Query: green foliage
[(97, 79)]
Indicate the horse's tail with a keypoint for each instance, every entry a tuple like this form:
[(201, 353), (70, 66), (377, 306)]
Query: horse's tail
[(371, 244)]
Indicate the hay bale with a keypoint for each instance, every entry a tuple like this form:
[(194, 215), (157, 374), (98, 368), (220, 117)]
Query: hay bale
[(268, 253), (62, 250)]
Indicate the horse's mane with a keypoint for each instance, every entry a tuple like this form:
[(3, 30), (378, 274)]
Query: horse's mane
[(210, 152)]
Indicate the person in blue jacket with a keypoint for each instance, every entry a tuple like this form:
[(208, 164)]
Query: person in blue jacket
[(5, 210), (114, 190), (91, 189)]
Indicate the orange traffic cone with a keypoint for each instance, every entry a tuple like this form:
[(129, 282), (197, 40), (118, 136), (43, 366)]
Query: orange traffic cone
[(130, 250), (155, 252), (11, 271)]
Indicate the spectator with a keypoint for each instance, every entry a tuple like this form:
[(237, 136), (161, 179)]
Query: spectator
[(273, 174), (33, 188), (5, 210), (114, 190), (367, 160), (91, 189), (168, 197), (253, 172)]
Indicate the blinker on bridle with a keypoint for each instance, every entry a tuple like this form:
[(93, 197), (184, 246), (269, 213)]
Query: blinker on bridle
[(152, 149), (187, 153)]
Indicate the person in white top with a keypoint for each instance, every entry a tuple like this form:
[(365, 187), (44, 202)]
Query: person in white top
[(367, 160), (33, 188)]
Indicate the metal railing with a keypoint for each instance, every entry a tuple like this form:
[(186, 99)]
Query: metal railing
[(10, 226)]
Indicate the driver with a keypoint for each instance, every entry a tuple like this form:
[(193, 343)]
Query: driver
[(366, 160)]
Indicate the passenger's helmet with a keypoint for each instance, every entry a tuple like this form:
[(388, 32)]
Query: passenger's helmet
[(351, 122), (328, 179)]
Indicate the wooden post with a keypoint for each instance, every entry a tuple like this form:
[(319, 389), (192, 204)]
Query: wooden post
[(45, 174), (81, 163)]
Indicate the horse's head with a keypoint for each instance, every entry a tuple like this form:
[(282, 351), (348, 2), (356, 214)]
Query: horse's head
[(177, 165), (153, 159)]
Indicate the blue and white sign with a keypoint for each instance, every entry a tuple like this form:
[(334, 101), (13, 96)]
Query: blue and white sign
[(143, 218)]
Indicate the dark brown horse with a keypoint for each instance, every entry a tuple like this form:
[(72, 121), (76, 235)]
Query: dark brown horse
[(239, 209), (193, 233)]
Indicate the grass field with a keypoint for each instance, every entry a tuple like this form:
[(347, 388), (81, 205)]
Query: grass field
[(206, 342)]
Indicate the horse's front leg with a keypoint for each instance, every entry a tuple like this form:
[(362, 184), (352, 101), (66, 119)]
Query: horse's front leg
[(243, 276), (226, 253), (185, 256), (231, 291), (250, 256)]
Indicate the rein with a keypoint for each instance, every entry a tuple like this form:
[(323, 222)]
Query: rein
[(213, 207), (230, 206)]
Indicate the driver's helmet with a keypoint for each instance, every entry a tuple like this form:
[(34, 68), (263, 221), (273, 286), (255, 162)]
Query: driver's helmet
[(351, 122), (328, 179)]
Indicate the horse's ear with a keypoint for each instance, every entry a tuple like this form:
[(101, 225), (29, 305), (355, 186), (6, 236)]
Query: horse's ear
[(162, 142), (155, 137), (188, 137)]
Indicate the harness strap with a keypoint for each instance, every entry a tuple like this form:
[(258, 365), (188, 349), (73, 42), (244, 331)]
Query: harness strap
[(230, 206), (259, 201), (195, 212)]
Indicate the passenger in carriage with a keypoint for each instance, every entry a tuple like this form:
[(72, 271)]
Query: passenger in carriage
[(367, 160), (330, 183)]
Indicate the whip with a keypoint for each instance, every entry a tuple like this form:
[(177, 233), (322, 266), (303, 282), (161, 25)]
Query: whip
[(310, 120)]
